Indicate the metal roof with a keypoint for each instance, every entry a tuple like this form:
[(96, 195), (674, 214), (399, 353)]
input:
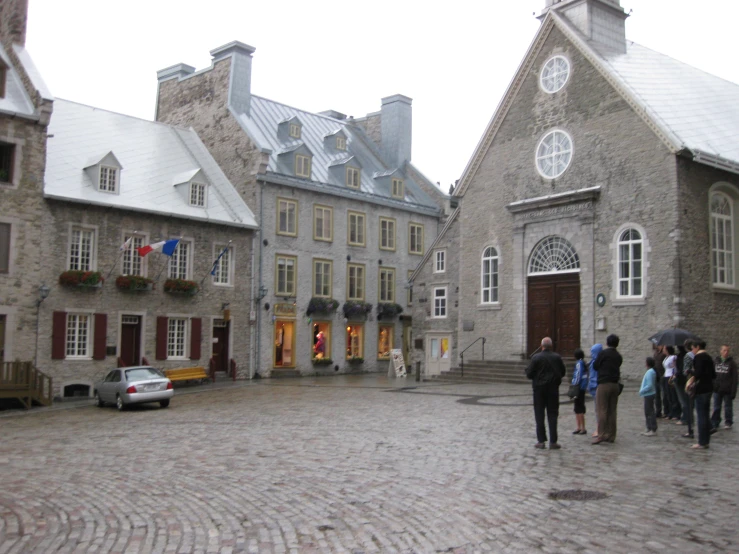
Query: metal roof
[(154, 156), (262, 125), (16, 99)]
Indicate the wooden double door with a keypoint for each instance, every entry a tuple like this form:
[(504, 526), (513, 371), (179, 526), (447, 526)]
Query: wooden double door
[(554, 311)]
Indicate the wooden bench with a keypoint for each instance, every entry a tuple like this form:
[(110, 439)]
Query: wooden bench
[(186, 374)]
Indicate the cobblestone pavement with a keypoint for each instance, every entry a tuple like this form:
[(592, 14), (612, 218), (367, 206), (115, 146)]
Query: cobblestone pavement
[(358, 465)]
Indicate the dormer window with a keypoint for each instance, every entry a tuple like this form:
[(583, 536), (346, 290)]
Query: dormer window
[(397, 188), (295, 130), (108, 181), (302, 166), (340, 143), (197, 194), (353, 177)]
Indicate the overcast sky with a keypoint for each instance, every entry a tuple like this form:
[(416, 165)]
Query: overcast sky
[(455, 59)]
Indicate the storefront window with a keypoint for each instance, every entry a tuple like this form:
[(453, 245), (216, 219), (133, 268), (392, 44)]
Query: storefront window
[(384, 341), (321, 346), (354, 341), (284, 343)]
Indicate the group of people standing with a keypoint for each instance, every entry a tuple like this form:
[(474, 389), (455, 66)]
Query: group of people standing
[(681, 381), (602, 377), (678, 382)]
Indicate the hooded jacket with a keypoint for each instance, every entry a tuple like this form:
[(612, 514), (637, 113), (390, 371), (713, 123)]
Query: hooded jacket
[(592, 373), (726, 378)]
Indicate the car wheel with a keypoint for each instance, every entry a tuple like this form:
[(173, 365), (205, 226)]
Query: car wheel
[(98, 401), (119, 403), (164, 403)]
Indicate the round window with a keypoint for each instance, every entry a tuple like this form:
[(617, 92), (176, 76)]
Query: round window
[(554, 154), (555, 74)]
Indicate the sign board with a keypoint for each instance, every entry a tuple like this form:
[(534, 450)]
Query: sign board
[(290, 310), (397, 365)]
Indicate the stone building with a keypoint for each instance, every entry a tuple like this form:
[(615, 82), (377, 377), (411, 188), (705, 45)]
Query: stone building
[(25, 108), (115, 184), (344, 215), (602, 198)]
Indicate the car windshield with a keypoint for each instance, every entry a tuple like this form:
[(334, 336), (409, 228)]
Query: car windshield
[(142, 374)]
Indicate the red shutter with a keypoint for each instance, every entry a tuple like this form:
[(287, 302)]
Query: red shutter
[(162, 330), (101, 336), (59, 336), (196, 333)]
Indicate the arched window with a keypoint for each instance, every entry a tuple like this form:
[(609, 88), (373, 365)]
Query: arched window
[(489, 276), (554, 255), (722, 243), (630, 263)]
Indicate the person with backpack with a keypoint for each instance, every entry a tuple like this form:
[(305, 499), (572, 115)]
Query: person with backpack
[(580, 380), (546, 372)]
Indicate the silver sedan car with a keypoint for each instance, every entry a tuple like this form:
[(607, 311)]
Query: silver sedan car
[(134, 385)]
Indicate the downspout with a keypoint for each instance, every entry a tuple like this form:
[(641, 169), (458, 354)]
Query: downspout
[(259, 303), (253, 354)]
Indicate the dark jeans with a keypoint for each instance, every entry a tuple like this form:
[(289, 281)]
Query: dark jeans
[(666, 405), (676, 409), (702, 412), (718, 398), (658, 397), (649, 413), (687, 407), (546, 398)]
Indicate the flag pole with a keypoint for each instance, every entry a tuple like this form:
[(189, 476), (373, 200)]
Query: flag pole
[(122, 250), (215, 264)]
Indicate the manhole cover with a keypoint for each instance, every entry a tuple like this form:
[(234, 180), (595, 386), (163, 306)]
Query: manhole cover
[(577, 495)]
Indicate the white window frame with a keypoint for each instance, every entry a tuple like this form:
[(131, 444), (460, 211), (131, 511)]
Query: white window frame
[(108, 178), (224, 276), (493, 290), (724, 222), (75, 262), (635, 300), (441, 303), (198, 194), (131, 262), (440, 261), (82, 349), (553, 156), (555, 78), (632, 261), (180, 260), (181, 329)]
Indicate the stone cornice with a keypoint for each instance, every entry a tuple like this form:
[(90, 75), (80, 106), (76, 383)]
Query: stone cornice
[(554, 200)]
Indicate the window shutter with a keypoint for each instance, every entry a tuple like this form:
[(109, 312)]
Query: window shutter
[(196, 332), (101, 336), (59, 335), (162, 330)]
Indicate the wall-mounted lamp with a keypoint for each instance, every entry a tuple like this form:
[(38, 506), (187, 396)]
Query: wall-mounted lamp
[(348, 258), (379, 262), (261, 293), (225, 305), (43, 294)]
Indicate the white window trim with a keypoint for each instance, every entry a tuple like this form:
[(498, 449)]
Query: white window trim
[(190, 254), (729, 194), (641, 300), (538, 145), (144, 241), (567, 79), (446, 302), (188, 334), (436, 261), (93, 249), (492, 303), (117, 176), (90, 333), (204, 187), (217, 249)]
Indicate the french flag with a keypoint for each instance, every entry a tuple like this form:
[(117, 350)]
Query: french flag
[(166, 246)]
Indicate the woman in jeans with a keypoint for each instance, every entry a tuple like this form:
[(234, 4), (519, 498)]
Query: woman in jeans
[(683, 371), (705, 372)]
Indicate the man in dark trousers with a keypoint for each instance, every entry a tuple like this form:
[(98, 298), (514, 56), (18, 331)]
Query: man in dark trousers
[(724, 388), (608, 365), (546, 372)]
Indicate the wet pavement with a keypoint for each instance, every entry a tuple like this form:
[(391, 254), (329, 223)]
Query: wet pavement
[(355, 464)]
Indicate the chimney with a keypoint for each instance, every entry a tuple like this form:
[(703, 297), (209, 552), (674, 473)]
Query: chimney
[(601, 21), (13, 18), (239, 94), (396, 129)]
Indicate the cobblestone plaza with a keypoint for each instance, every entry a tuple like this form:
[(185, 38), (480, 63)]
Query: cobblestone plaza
[(354, 464)]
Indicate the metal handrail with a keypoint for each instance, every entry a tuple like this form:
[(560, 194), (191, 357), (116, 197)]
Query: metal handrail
[(461, 355)]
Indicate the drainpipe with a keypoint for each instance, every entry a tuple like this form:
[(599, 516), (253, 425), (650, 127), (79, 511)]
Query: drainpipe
[(259, 303)]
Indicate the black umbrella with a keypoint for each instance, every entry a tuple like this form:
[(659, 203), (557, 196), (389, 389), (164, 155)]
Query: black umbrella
[(672, 337)]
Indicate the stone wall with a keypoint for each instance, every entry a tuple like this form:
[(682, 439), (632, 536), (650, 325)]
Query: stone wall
[(13, 20)]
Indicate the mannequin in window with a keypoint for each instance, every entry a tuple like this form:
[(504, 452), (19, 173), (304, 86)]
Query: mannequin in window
[(320, 347)]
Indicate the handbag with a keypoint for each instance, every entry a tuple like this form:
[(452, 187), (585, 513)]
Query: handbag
[(691, 386), (573, 391)]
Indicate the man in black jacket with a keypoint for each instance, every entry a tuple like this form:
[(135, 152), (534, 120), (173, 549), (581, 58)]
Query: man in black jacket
[(724, 388), (546, 372), (608, 365)]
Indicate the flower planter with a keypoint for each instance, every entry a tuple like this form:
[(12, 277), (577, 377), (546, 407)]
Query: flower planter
[(134, 283), (322, 361), (356, 310), (321, 306), (355, 361), (181, 287), (388, 310), (81, 279)]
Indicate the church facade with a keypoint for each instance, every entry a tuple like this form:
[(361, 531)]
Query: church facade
[(601, 199)]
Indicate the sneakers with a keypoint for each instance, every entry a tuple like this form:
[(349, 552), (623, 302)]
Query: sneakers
[(649, 433), (540, 445), (727, 427)]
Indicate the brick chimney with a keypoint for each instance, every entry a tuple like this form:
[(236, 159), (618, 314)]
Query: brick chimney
[(13, 18), (396, 129), (601, 21), (239, 95)]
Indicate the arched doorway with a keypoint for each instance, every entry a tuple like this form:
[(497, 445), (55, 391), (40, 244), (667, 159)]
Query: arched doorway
[(554, 296)]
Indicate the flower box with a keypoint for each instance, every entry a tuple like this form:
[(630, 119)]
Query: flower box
[(355, 360), (181, 286), (134, 283), (354, 309), (322, 361), (83, 279), (318, 305), (388, 310)]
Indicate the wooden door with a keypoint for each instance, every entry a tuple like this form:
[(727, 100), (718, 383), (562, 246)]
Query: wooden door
[(131, 340), (554, 311), (220, 344)]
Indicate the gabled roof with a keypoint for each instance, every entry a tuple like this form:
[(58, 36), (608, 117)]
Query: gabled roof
[(452, 217), (690, 110), (262, 126), (16, 99), (153, 156)]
